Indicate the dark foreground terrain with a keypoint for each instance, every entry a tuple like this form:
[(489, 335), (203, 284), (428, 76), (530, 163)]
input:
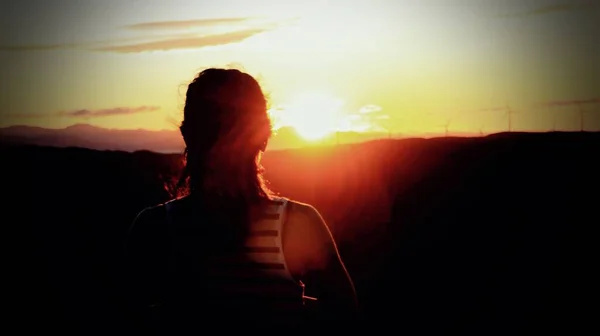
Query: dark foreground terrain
[(481, 236)]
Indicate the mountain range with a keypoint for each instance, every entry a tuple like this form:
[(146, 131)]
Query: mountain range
[(163, 141)]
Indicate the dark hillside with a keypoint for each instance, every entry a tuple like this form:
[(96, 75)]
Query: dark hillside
[(492, 235)]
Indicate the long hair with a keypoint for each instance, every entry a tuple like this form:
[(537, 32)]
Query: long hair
[(225, 128)]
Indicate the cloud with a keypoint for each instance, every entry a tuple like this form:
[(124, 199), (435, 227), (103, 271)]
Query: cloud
[(40, 47), (84, 113), (187, 23), (369, 117), (570, 102), (494, 109), (185, 42), (555, 8), (92, 45), (369, 109), (197, 35), (118, 111)]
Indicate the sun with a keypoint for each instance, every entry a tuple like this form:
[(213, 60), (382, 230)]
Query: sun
[(313, 114)]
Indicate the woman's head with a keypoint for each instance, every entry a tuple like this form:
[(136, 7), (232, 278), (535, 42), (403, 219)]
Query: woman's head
[(225, 128)]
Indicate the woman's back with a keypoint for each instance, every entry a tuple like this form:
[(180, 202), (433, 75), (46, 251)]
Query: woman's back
[(269, 281), (250, 284)]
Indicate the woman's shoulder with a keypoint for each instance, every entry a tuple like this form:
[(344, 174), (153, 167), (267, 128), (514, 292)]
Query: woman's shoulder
[(150, 214), (151, 220), (307, 239), (158, 211), (300, 217), (304, 210), (303, 219)]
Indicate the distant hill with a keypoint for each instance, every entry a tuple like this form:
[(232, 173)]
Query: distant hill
[(164, 141), (447, 236), (86, 136)]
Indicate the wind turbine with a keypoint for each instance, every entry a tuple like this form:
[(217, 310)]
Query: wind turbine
[(447, 126), (509, 113), (569, 103), (581, 117), (382, 122), (338, 117), (387, 128)]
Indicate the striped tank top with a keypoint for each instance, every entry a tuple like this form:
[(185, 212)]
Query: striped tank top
[(253, 286)]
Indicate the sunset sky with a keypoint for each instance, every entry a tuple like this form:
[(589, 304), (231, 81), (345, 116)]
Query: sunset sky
[(405, 66)]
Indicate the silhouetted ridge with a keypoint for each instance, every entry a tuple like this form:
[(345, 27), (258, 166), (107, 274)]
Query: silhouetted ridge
[(468, 236)]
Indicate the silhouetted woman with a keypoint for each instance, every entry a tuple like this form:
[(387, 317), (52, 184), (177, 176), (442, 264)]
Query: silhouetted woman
[(229, 255)]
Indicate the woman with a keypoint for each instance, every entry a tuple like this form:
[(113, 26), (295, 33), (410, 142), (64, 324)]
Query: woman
[(229, 254)]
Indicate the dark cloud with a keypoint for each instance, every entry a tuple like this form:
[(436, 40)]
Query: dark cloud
[(83, 113), (185, 43), (190, 40), (187, 23), (41, 47), (89, 45), (494, 109), (108, 112), (570, 102), (486, 109)]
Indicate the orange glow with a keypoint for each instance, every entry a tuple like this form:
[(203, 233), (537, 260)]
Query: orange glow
[(418, 69), (313, 114)]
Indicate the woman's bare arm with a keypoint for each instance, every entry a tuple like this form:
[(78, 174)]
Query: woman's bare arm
[(312, 254)]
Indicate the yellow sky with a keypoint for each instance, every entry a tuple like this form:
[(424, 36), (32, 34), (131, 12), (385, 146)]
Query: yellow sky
[(124, 64)]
